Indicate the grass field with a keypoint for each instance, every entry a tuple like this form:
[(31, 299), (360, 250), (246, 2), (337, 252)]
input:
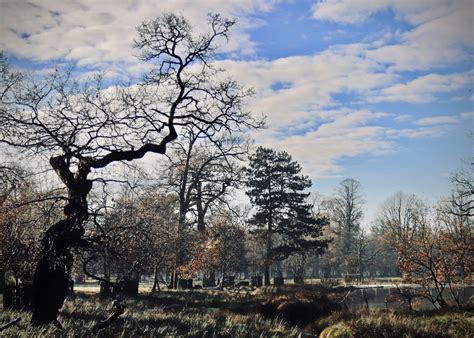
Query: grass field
[(228, 314)]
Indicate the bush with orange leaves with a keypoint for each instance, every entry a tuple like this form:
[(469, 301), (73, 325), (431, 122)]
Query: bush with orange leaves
[(438, 257), (221, 249)]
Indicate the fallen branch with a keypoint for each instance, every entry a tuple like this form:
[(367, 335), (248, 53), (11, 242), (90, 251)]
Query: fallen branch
[(6, 326), (119, 309), (343, 300)]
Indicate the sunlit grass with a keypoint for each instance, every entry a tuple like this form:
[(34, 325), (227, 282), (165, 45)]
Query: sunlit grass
[(170, 313), (227, 314), (392, 323)]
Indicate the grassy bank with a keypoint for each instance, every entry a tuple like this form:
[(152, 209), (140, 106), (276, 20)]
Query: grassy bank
[(391, 323), (204, 313)]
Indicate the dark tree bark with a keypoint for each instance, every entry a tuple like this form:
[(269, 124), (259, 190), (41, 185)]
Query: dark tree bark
[(268, 258), (52, 273), (2, 281), (201, 225), (119, 310), (156, 282)]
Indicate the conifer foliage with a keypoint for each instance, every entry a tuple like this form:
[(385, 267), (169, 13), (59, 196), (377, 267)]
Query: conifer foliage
[(276, 189)]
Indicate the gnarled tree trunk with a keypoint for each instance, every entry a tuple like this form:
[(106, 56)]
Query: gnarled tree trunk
[(52, 273)]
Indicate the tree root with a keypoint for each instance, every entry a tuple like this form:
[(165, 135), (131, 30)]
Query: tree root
[(119, 310)]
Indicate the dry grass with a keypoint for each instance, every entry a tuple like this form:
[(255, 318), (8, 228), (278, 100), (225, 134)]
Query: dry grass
[(392, 323), (226, 314), (192, 314)]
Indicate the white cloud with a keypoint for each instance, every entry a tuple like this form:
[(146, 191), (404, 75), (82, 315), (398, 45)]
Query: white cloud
[(403, 118), (305, 118), (435, 120), (415, 132), (310, 83), (441, 33), (468, 115), (320, 151), (408, 57), (352, 11), (424, 88), (95, 33), (347, 11)]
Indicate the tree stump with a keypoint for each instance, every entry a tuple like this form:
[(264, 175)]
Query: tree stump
[(278, 281), (106, 291)]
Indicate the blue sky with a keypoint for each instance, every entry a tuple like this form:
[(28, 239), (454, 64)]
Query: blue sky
[(380, 91)]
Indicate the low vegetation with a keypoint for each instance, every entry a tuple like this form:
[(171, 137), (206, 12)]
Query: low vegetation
[(391, 323), (231, 314)]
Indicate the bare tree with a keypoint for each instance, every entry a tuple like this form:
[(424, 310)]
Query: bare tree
[(202, 174), (365, 253), (461, 201), (346, 213), (83, 129), (396, 222), (397, 219), (433, 250)]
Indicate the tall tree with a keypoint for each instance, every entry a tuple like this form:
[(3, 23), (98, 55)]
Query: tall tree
[(397, 219), (276, 188), (83, 129), (202, 174), (346, 214)]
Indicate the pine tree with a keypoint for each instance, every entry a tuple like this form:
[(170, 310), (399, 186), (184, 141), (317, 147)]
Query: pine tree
[(276, 188)]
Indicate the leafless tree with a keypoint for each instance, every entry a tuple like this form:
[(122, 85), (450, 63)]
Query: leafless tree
[(461, 202), (433, 249), (346, 213), (85, 128), (202, 174)]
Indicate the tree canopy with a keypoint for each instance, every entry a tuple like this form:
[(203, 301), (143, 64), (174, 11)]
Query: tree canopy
[(276, 189)]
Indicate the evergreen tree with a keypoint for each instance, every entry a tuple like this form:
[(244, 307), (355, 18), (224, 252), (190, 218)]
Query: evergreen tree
[(276, 189)]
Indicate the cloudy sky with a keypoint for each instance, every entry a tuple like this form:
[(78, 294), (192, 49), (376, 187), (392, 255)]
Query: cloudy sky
[(377, 90)]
